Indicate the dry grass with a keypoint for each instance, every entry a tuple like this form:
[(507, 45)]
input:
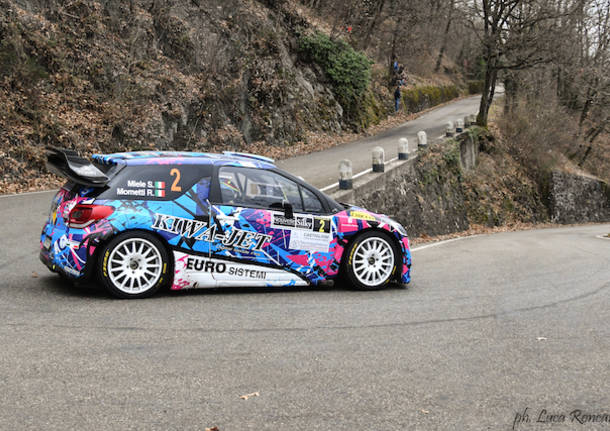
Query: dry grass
[(544, 135), (317, 141)]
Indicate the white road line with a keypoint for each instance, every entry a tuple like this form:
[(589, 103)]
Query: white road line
[(323, 189), (434, 244), (359, 174)]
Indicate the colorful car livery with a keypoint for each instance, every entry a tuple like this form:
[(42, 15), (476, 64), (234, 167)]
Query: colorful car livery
[(143, 220)]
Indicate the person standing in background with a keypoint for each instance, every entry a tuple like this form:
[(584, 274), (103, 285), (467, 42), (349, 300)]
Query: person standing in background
[(397, 99)]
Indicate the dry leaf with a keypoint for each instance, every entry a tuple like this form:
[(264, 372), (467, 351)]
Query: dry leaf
[(212, 429), (34, 274), (424, 411), (253, 394)]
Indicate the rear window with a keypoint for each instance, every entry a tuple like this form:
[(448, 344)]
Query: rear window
[(155, 182)]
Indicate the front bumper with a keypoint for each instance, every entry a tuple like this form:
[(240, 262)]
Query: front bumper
[(405, 276)]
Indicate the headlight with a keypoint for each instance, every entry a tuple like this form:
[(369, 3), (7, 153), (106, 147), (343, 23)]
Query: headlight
[(397, 226)]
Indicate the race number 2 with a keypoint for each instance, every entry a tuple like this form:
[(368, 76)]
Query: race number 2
[(321, 225), (175, 173)]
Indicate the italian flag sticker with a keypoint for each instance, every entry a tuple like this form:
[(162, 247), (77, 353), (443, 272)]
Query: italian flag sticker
[(160, 193), (159, 184)]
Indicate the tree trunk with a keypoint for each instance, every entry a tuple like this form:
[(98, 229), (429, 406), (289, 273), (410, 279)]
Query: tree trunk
[(491, 74), (445, 38), (393, 56), (373, 23), (511, 88)]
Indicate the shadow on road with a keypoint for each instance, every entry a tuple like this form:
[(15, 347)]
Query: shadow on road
[(62, 287)]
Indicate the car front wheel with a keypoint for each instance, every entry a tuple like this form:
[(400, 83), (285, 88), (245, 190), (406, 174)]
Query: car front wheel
[(134, 265), (371, 261)]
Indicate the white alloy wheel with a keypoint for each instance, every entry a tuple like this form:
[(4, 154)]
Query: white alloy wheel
[(134, 265), (373, 261)]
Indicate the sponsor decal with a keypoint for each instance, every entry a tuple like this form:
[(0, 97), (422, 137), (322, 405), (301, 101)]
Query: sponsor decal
[(219, 267), (201, 231), (310, 241), (105, 263), (71, 271), (281, 222), (205, 265), (351, 254), (361, 215), (64, 242), (224, 273), (247, 273), (187, 228), (305, 222)]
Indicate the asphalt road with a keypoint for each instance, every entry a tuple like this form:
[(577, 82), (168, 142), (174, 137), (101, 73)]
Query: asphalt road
[(321, 168), (491, 325)]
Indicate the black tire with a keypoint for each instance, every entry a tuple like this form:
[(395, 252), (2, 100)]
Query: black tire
[(142, 266), (350, 261)]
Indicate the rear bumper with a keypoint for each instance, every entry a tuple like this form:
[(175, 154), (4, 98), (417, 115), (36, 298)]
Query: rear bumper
[(67, 271), (44, 258), (63, 254)]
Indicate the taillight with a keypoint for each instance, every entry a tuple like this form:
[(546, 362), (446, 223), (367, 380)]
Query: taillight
[(83, 215)]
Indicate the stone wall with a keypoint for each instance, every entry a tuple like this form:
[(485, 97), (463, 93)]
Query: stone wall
[(443, 190), (578, 199), (423, 203)]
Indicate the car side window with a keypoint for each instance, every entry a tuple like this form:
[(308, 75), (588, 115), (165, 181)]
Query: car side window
[(257, 188), (311, 201), (156, 182)]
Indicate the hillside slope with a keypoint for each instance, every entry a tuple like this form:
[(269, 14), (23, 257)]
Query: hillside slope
[(106, 76)]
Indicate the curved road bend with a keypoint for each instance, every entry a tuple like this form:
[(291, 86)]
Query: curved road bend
[(321, 168), (491, 325)]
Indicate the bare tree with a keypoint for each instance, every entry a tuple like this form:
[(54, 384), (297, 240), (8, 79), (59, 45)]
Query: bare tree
[(445, 36), (514, 35)]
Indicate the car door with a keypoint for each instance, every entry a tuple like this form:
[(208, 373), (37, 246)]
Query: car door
[(255, 229)]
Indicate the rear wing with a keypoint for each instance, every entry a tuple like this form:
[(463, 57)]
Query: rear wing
[(67, 163)]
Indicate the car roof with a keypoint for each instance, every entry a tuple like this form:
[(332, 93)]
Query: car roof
[(135, 158)]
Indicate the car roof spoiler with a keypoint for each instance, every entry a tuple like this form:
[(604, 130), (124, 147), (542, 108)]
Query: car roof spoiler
[(68, 163)]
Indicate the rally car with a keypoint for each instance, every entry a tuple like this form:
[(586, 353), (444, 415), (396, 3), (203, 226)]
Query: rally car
[(139, 221)]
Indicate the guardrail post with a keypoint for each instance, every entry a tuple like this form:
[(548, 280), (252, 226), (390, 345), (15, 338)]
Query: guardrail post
[(467, 122), (459, 126), (403, 149), (345, 174), (422, 139), (473, 119), (449, 129), (378, 159)]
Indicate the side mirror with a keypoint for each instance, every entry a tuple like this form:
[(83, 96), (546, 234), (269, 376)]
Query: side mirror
[(288, 212)]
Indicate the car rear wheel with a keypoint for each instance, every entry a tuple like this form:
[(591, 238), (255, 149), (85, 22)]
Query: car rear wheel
[(371, 262), (134, 265)]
